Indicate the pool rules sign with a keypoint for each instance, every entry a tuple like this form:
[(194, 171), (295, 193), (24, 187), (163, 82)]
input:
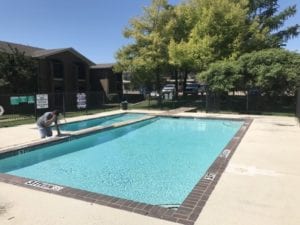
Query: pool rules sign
[(42, 101), (81, 100)]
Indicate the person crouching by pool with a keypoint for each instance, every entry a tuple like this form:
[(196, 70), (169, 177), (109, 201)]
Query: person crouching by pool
[(44, 123)]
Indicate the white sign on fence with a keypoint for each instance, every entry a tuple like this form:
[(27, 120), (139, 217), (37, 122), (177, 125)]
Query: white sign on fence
[(1, 110), (42, 101), (81, 100)]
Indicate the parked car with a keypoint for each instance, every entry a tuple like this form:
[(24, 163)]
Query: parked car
[(154, 94), (202, 88), (168, 88), (191, 89)]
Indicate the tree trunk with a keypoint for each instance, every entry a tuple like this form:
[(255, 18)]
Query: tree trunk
[(158, 89), (184, 82), (176, 84)]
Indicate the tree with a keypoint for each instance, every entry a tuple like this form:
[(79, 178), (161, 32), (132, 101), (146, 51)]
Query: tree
[(18, 72), (219, 31), (230, 28), (222, 76), (269, 22), (258, 27), (196, 33), (148, 54), (181, 59), (215, 33), (275, 72), (180, 56)]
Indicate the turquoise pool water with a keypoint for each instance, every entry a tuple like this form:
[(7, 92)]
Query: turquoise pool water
[(157, 161), (104, 121)]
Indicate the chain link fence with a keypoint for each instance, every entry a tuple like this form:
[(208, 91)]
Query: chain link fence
[(28, 107), (252, 104), (213, 102)]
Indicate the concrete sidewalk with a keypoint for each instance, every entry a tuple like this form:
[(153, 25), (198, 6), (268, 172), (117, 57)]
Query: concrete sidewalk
[(259, 186)]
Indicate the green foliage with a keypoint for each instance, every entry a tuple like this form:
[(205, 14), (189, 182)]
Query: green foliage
[(196, 33), (180, 55), (17, 72), (273, 71), (182, 23), (148, 54), (222, 76), (219, 30), (269, 22)]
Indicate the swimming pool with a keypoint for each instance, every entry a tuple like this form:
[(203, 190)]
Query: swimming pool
[(157, 161), (103, 121)]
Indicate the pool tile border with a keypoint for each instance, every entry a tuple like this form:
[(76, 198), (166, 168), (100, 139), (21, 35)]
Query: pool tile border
[(187, 213)]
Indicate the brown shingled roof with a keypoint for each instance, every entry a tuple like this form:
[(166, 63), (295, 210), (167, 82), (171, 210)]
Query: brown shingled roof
[(28, 50), (47, 52), (39, 52)]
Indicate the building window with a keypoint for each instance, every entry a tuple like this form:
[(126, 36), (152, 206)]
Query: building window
[(58, 97), (58, 69), (126, 76), (80, 71)]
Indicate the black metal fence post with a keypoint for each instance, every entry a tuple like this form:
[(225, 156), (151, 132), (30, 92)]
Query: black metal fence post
[(298, 103), (63, 105), (35, 107)]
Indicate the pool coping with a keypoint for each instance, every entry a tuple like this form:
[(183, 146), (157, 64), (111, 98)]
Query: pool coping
[(102, 117), (73, 134), (187, 213)]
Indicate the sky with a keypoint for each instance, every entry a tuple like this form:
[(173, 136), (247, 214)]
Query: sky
[(92, 27)]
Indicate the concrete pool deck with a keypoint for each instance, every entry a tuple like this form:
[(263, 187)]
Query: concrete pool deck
[(259, 185)]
